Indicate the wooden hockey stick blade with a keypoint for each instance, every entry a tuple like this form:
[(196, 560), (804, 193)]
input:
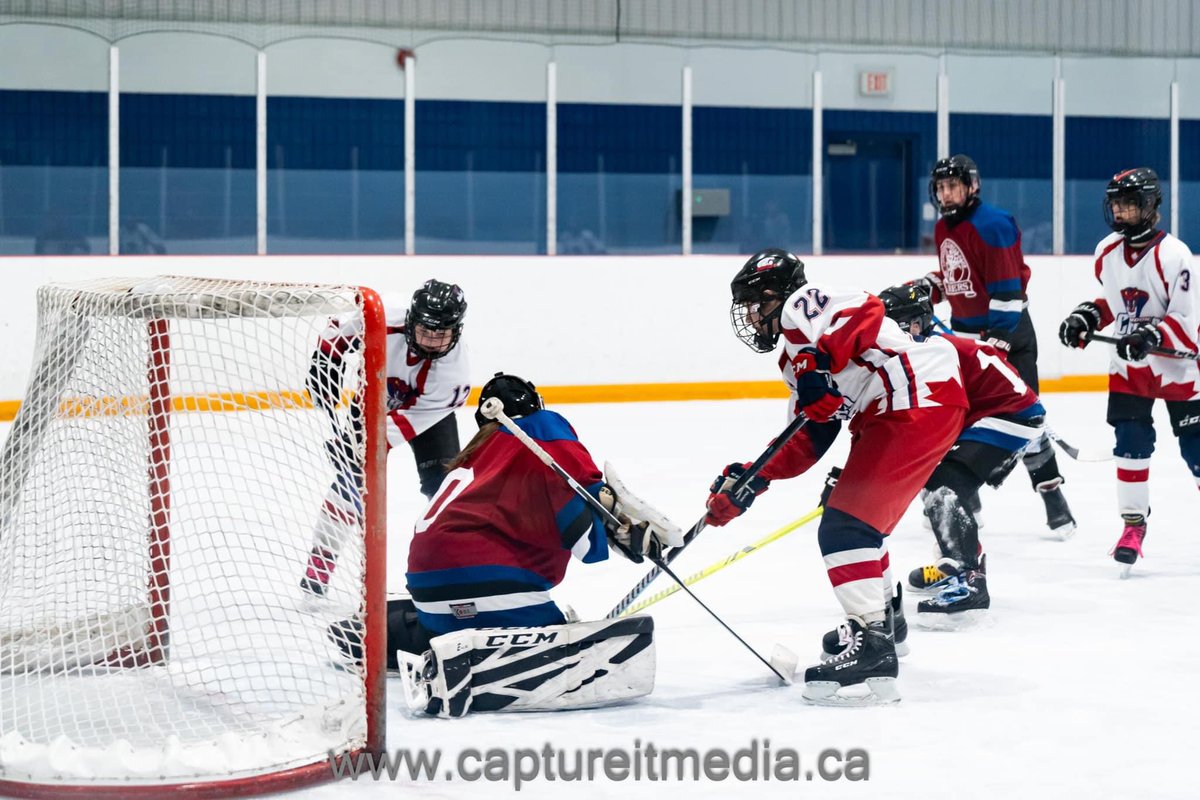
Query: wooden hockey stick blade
[(717, 566)]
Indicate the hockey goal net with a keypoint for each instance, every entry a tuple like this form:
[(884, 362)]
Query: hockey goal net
[(158, 491)]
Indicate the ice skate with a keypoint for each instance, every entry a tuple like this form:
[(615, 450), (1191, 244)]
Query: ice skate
[(836, 640), (922, 579), (1129, 547), (867, 668), (962, 602), (1058, 513)]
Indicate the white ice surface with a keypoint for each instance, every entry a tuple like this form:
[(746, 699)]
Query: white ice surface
[(1080, 685)]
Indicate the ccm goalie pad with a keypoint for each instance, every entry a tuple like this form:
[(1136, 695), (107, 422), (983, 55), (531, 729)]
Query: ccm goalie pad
[(577, 665)]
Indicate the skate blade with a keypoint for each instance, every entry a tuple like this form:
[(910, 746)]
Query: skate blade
[(1065, 532), (928, 591), (879, 691), (784, 661), (1125, 570), (961, 620)]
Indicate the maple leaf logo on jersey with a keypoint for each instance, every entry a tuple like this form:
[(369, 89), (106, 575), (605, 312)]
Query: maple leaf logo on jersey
[(1135, 300), (956, 270)]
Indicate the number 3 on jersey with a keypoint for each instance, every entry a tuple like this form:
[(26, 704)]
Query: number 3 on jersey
[(452, 486)]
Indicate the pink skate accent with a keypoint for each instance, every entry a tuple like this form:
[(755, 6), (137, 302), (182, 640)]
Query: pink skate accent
[(320, 565), (1131, 538)]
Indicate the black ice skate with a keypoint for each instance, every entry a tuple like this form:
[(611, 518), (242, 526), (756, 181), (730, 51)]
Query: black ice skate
[(962, 602), (1058, 513), (1129, 547), (922, 579), (868, 661), (836, 640)]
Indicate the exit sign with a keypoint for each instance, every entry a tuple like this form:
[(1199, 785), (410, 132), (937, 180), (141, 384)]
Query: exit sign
[(875, 83)]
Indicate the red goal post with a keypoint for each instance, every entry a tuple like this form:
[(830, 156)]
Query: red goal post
[(158, 491)]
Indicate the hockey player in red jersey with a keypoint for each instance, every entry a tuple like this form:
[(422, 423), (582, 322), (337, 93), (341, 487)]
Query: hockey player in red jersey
[(427, 382), (1005, 417), (1147, 291), (982, 274), (497, 537), (843, 358)]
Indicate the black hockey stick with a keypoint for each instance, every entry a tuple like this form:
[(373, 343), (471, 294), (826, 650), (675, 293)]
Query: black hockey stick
[(1158, 351), (739, 486), (783, 661), (1075, 452)]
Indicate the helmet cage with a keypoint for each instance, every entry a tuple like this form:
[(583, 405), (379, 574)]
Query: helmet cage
[(1139, 187), (436, 306)]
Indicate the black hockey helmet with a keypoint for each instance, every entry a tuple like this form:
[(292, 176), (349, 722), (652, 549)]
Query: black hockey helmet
[(519, 396), (1141, 187), (909, 303), (436, 306), (963, 168), (770, 274)]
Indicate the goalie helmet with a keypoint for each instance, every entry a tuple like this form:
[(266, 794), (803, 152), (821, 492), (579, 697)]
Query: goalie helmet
[(436, 306), (963, 168), (519, 396), (764, 281), (907, 304), (1141, 187)]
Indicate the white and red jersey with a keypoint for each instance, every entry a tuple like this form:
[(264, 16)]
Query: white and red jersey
[(877, 367), (1151, 284), (421, 391)]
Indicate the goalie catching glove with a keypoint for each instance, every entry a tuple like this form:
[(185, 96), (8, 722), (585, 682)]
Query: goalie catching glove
[(644, 531)]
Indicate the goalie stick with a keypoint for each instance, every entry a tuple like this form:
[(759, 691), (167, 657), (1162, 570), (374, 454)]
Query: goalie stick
[(716, 567), (738, 487), (783, 661)]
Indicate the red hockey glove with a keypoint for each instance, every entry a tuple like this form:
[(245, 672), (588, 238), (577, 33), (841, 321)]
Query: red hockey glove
[(723, 505), (818, 398)]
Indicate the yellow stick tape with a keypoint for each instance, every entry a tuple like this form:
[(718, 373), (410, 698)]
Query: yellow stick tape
[(598, 393), (725, 562)]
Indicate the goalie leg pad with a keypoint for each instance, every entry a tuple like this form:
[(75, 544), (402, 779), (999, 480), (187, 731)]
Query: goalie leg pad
[(577, 665)]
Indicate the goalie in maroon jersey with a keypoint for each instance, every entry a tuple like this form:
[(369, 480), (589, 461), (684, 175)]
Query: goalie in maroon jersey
[(426, 382), (498, 536)]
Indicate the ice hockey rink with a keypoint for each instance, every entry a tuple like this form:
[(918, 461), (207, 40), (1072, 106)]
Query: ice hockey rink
[(1079, 685)]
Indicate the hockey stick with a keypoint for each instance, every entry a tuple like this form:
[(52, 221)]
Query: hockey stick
[(783, 662), (1158, 351), (1075, 452), (725, 562), (738, 487)]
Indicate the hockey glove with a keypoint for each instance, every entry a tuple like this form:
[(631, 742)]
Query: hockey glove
[(1083, 321), (1140, 342), (999, 339), (830, 481), (723, 504), (817, 397)]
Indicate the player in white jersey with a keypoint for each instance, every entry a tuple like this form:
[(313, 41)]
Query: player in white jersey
[(1149, 293), (844, 359), (427, 380)]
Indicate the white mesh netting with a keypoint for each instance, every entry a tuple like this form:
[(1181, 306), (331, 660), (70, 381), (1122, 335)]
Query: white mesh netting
[(158, 496)]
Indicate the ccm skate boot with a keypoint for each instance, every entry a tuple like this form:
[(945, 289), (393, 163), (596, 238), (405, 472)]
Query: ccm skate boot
[(1058, 513), (836, 640), (868, 663), (1129, 547), (962, 602)]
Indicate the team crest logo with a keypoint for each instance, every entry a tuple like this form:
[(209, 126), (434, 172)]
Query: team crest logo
[(1135, 300), (956, 270), (767, 262)]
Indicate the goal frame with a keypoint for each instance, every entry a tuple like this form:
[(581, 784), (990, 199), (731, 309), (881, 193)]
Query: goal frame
[(158, 587)]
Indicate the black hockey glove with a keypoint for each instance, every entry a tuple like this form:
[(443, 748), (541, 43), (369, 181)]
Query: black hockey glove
[(1083, 321), (324, 381), (830, 481), (999, 339), (1140, 342), (723, 505)]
